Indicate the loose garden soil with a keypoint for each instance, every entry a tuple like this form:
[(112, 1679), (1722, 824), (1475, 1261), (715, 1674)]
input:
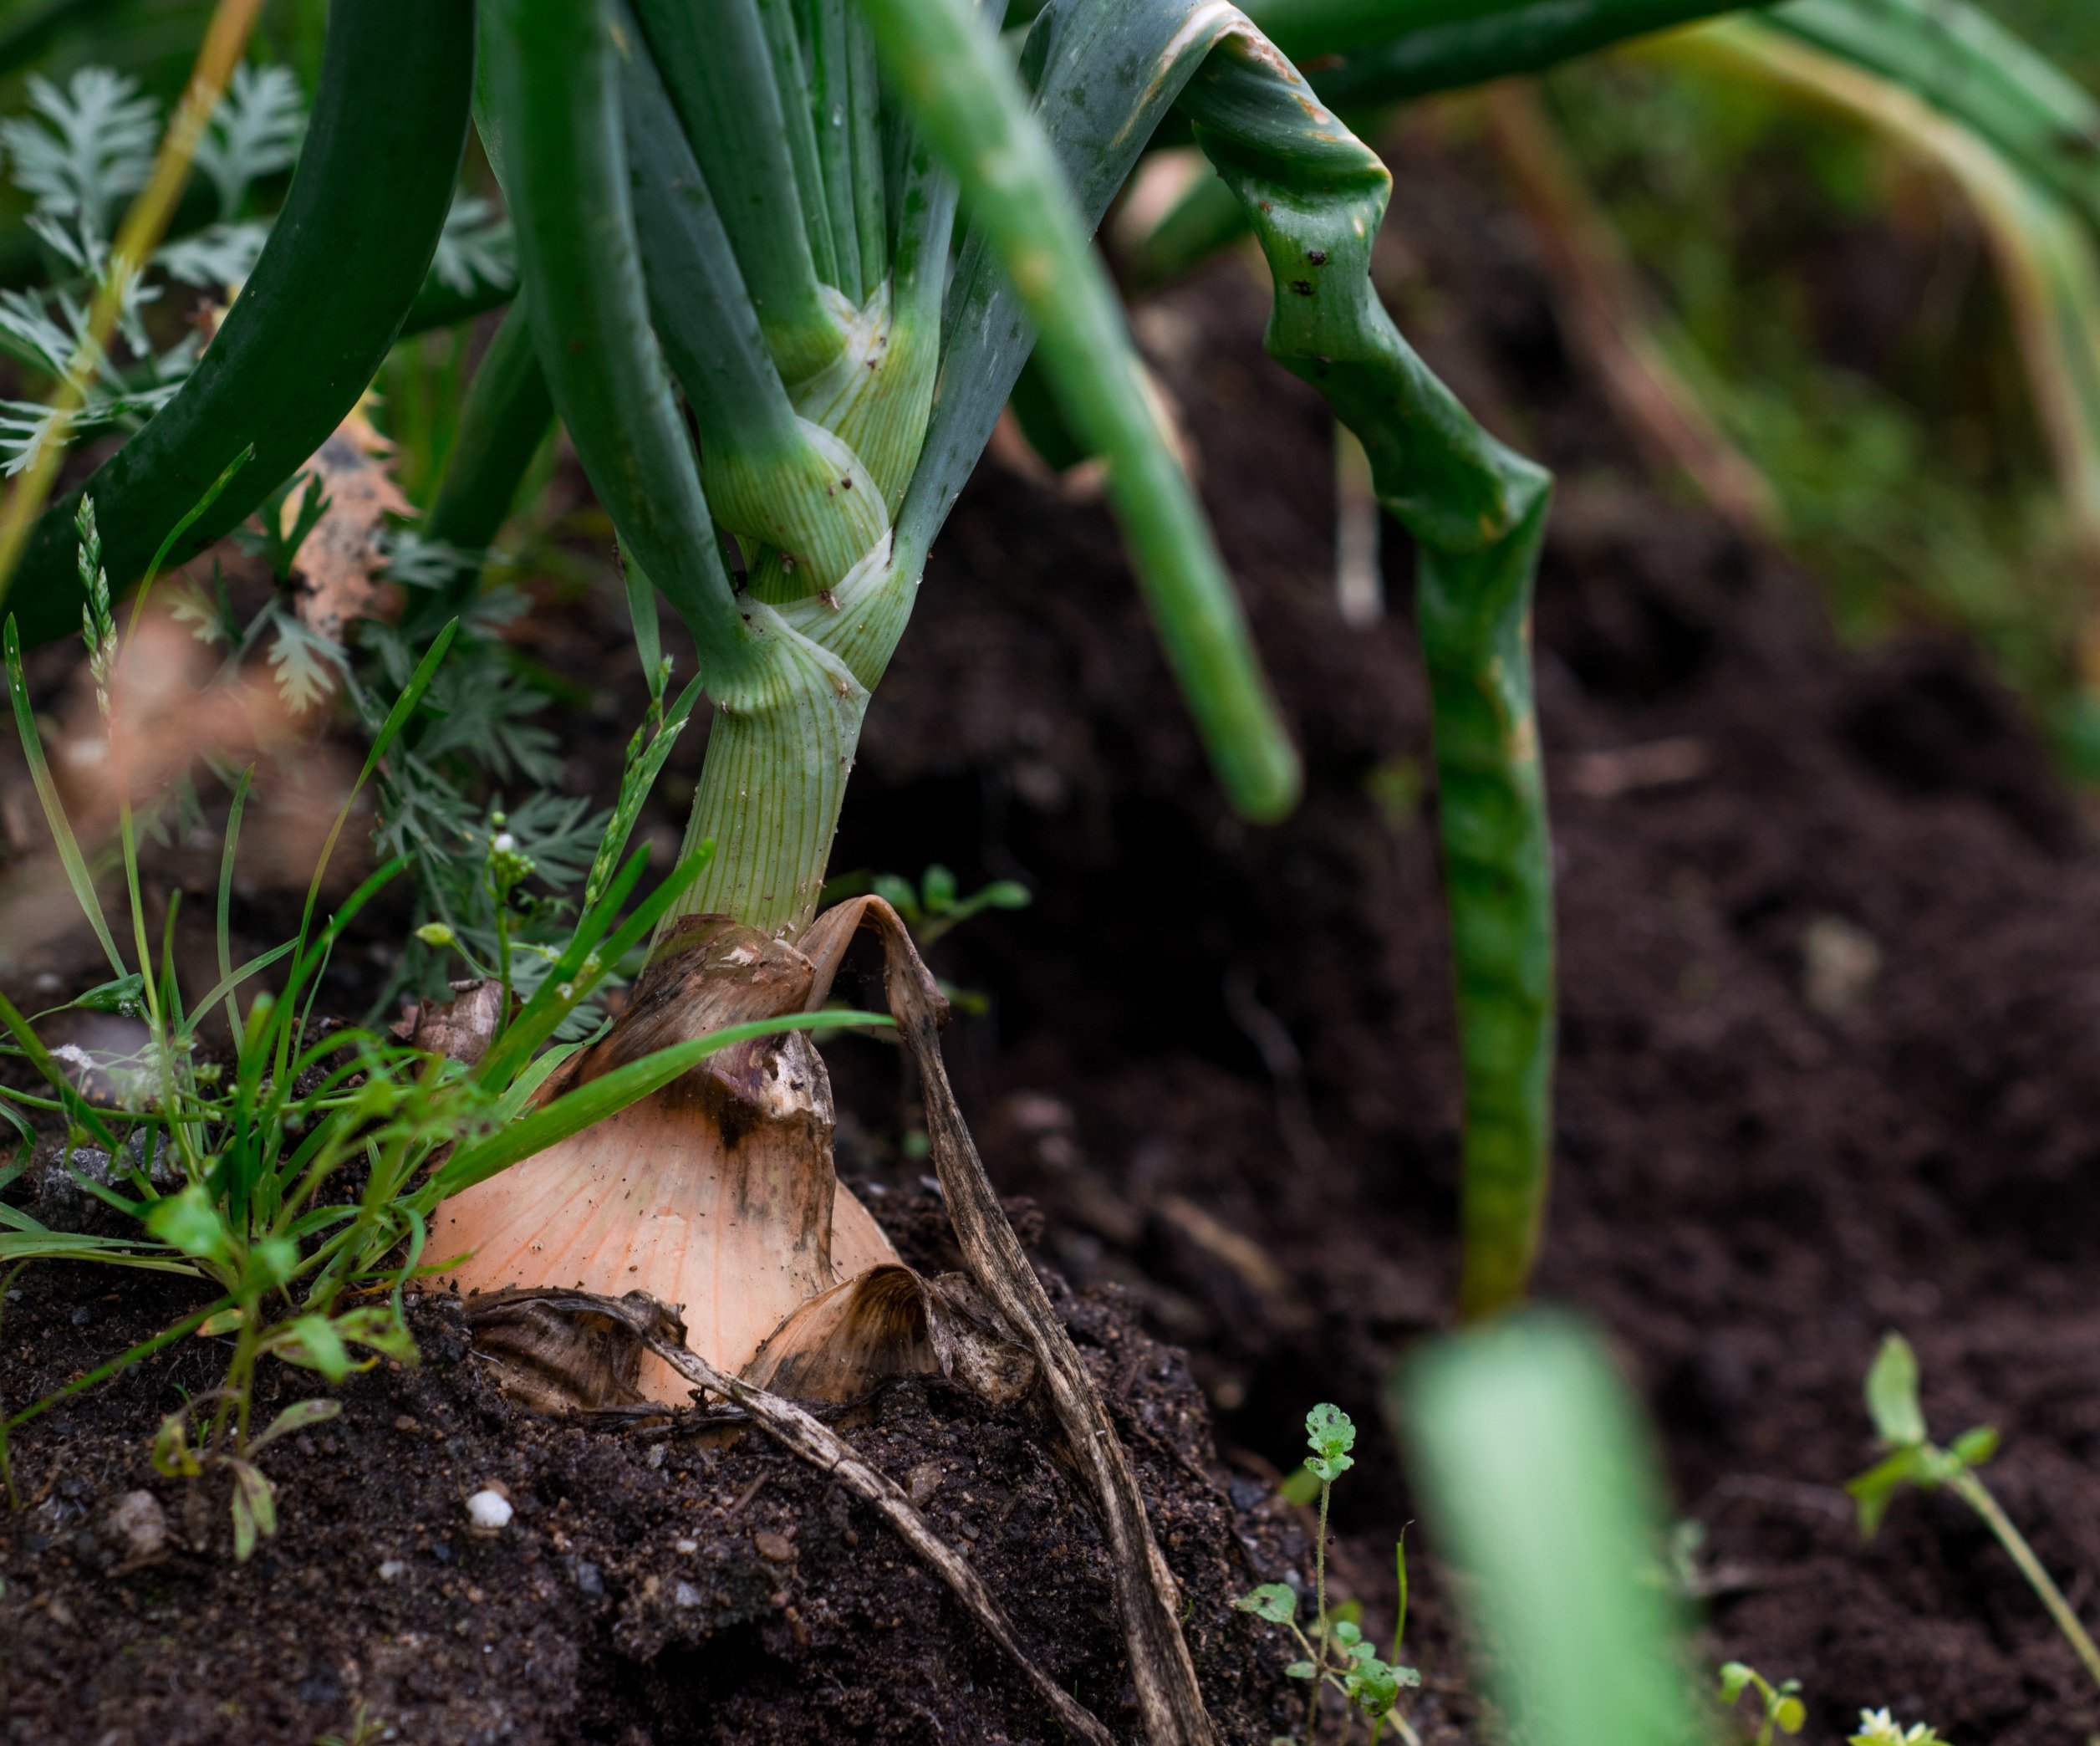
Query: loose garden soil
[(1831, 1015)]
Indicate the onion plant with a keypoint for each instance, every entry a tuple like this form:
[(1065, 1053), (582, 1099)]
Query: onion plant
[(781, 263)]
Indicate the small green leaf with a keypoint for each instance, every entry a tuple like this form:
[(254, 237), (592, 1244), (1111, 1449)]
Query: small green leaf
[(1374, 1686), (191, 1221), (1891, 1394), (1790, 1714), (172, 1456), (274, 1259), (1975, 1446), (1299, 1669), (225, 1322), (1330, 1431), (254, 1508), (1272, 1601), (1875, 1489), (123, 997), (296, 1417), (377, 1327), (312, 1343), (1004, 894), (1346, 1632), (1735, 1680), (937, 889), (437, 934)]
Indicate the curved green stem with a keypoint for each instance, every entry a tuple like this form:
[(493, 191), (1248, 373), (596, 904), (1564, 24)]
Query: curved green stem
[(344, 260), (1315, 196)]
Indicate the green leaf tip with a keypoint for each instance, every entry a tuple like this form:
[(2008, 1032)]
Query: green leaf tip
[(1891, 1394)]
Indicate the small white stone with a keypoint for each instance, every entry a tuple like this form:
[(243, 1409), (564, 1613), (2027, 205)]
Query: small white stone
[(686, 1594), (393, 1570), (489, 1511), (685, 1545)]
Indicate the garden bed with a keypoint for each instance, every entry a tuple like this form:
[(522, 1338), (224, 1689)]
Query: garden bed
[(1829, 1028)]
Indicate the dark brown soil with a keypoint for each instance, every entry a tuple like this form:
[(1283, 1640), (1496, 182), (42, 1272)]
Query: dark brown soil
[(651, 1586), (1221, 1059)]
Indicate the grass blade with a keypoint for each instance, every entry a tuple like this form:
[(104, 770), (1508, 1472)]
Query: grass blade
[(607, 1095), (62, 837)]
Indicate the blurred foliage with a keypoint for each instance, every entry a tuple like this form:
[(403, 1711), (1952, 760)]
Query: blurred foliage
[(1835, 303), (2068, 29)]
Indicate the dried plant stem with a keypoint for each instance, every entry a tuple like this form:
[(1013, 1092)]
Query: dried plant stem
[(1169, 1697), (808, 1437)]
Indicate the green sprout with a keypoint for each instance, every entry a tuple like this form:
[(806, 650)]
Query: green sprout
[(1876, 1728), (1335, 1655), (1783, 1711), (934, 907), (1913, 1459)]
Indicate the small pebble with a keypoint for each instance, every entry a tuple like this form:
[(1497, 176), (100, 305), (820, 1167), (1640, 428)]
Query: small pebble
[(923, 1481), (685, 1545), (774, 1547), (489, 1511), (393, 1570), (137, 1525), (686, 1594)]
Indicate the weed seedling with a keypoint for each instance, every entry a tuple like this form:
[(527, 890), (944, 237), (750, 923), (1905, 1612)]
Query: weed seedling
[(1913, 1459), (1784, 1711), (937, 907), (1335, 1654), (1876, 1728)]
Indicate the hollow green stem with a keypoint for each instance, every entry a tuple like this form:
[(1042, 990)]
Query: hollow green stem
[(554, 86), (1315, 196), (502, 424), (963, 94), (717, 62)]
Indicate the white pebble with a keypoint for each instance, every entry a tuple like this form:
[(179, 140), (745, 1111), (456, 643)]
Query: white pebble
[(489, 1510), (393, 1570)]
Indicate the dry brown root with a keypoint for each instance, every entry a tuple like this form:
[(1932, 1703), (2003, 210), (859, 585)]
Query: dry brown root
[(1147, 1596)]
